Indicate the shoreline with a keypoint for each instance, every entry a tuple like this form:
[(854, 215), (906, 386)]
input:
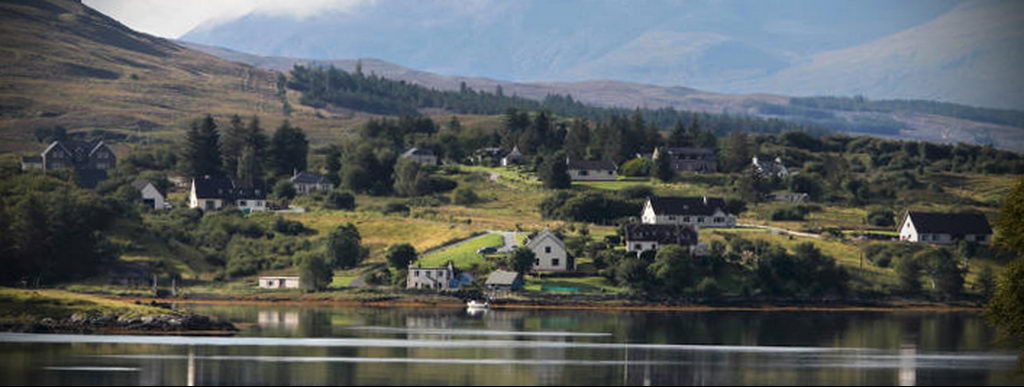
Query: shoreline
[(889, 306)]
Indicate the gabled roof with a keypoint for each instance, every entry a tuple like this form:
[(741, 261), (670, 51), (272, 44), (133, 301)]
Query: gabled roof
[(309, 178), (501, 277), (213, 186), (662, 233), (592, 165), (546, 234), (515, 153), (943, 223), (687, 206)]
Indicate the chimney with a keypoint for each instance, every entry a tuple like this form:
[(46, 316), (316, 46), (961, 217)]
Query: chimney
[(705, 200)]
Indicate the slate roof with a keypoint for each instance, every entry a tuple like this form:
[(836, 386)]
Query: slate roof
[(943, 223), (535, 240), (141, 184), (662, 233), (501, 277), (514, 154), (220, 187), (687, 206), (309, 178), (32, 159), (592, 165)]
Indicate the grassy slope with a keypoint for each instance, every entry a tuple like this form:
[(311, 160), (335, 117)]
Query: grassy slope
[(21, 306), (464, 255)]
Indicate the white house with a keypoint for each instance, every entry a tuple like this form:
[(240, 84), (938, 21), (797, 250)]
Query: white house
[(513, 157), (151, 196), (693, 211), (210, 193), (279, 282), (944, 229), (550, 252), (439, 278), (647, 237), (592, 170), (770, 168), (306, 182), (700, 160), (422, 156)]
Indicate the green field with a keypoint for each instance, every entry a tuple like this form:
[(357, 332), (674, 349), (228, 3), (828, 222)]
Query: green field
[(21, 306), (464, 255)]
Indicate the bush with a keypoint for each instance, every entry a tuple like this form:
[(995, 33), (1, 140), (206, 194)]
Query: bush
[(290, 227), (314, 272), (639, 167), (465, 196), (340, 200), (791, 213), (396, 208), (881, 217), (641, 192), (284, 190)]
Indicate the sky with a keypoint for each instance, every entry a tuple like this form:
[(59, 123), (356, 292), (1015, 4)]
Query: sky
[(171, 19)]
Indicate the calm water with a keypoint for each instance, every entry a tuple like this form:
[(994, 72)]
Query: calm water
[(368, 346)]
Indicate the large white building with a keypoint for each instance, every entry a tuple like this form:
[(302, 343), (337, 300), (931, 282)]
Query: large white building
[(211, 193), (692, 211), (944, 229), (651, 237), (151, 196), (552, 256)]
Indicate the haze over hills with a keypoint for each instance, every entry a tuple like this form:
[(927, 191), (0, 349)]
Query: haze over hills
[(66, 64), (938, 50), (919, 124)]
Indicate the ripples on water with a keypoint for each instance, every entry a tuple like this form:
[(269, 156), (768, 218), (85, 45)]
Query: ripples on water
[(400, 347)]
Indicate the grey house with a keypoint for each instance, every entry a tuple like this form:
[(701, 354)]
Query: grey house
[(504, 281)]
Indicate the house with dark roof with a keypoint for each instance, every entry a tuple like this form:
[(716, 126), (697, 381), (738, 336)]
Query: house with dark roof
[(700, 160), (420, 155), (944, 228), (642, 237), (151, 196), (769, 167), (211, 192), (88, 159), (306, 182), (592, 170), (550, 252), (693, 211)]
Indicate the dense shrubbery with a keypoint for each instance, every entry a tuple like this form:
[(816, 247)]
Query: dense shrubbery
[(790, 213), (589, 207)]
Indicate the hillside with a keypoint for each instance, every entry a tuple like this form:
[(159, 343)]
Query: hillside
[(64, 64), (913, 123)]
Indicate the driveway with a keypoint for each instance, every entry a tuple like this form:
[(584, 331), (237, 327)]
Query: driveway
[(510, 240)]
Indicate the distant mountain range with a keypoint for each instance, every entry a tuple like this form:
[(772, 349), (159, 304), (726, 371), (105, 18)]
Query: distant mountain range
[(64, 64), (944, 50), (917, 120)]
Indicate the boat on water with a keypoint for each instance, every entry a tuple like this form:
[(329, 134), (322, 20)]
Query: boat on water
[(473, 304)]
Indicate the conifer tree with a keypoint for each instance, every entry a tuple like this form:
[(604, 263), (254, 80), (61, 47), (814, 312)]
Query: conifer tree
[(232, 144), (202, 148)]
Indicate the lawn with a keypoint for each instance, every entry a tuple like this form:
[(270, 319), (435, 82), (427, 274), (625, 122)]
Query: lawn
[(594, 284), (464, 255)]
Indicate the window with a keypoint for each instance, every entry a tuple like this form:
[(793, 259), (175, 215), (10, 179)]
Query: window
[(415, 273), (672, 218), (547, 249), (536, 262), (686, 219), (700, 220), (638, 247), (583, 172), (554, 262), (719, 220)]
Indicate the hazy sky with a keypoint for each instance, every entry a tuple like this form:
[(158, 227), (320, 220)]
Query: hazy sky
[(171, 19)]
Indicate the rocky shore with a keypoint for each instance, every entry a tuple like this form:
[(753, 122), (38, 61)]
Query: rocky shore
[(170, 324)]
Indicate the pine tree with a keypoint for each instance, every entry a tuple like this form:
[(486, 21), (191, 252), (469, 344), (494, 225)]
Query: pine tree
[(681, 136), (202, 149), (577, 140), (288, 150), (662, 168), (334, 166), (247, 172), (232, 144)]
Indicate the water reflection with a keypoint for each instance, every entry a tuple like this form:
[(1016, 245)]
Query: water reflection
[(346, 346)]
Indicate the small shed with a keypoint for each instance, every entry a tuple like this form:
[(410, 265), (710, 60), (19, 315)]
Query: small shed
[(504, 281)]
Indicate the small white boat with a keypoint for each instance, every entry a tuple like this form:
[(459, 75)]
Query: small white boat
[(477, 305)]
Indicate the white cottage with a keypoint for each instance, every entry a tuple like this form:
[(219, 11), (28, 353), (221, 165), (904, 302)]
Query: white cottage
[(211, 193), (279, 282), (151, 197), (438, 278), (551, 254), (944, 229), (692, 211), (306, 182)]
